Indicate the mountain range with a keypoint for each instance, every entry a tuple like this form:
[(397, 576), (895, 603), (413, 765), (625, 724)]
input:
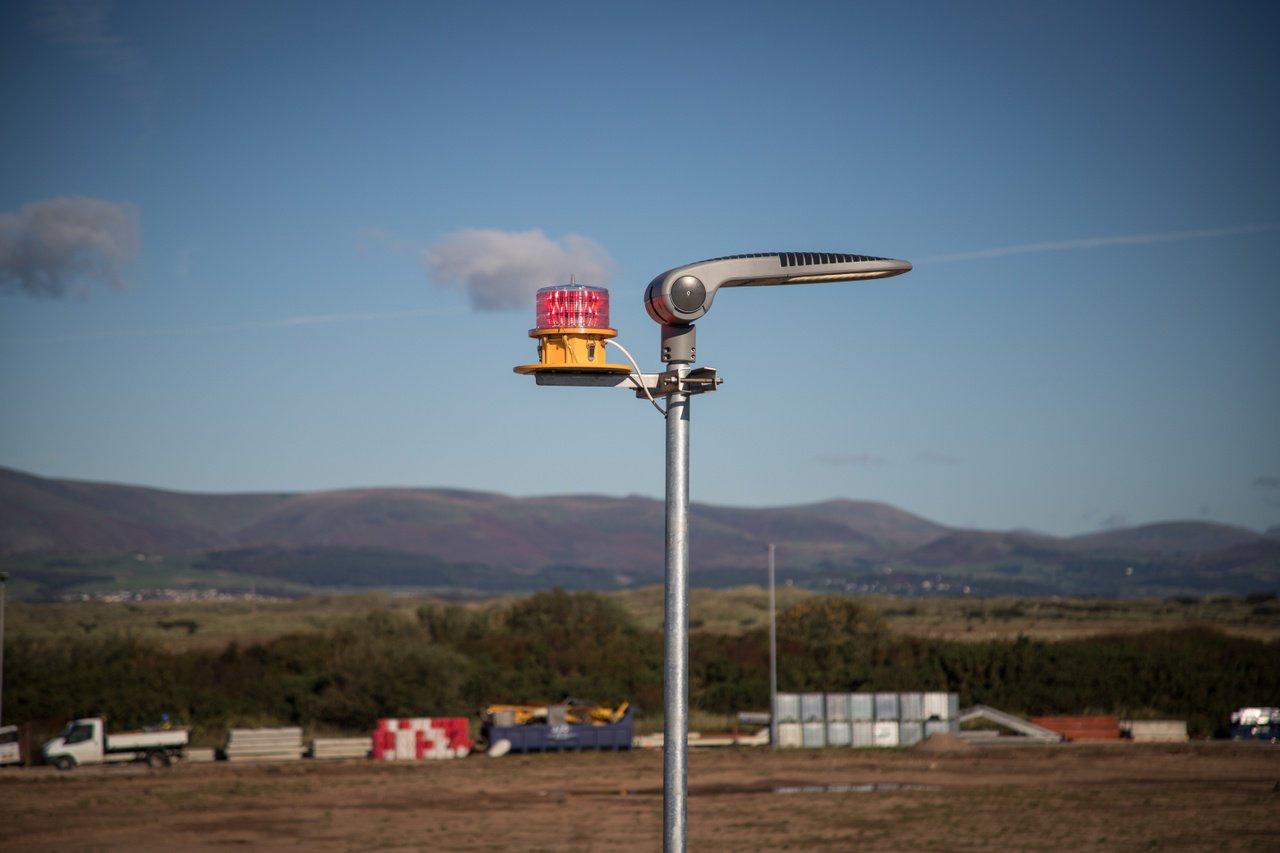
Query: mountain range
[(69, 535)]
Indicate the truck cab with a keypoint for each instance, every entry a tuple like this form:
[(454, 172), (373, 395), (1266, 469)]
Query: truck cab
[(81, 742)]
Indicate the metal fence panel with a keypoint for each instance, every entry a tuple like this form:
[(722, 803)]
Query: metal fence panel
[(788, 707), (937, 727), (837, 707), (911, 706), (936, 706), (839, 734), (887, 706), (885, 733), (811, 707)]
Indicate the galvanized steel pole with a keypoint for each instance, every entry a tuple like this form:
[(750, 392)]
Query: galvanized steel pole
[(773, 658), (675, 683)]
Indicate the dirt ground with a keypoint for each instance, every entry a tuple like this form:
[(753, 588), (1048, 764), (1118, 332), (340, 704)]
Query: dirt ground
[(1195, 796)]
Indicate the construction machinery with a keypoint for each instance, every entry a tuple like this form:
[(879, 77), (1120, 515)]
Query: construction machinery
[(570, 725), (574, 712)]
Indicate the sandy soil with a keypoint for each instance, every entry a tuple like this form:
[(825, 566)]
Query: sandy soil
[(1221, 796)]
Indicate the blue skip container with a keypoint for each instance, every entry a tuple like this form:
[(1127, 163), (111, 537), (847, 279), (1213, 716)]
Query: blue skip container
[(545, 738)]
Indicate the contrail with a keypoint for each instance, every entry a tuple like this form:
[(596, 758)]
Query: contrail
[(1100, 242)]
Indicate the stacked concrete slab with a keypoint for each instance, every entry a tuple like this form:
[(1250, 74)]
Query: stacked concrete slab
[(340, 747), (283, 744), (1154, 731)]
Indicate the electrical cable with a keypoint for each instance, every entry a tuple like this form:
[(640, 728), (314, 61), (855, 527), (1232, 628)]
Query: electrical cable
[(638, 376)]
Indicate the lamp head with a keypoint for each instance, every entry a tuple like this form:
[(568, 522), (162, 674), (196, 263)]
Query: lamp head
[(682, 295)]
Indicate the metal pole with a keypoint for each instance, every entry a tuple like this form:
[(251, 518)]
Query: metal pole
[(675, 683), (773, 658)]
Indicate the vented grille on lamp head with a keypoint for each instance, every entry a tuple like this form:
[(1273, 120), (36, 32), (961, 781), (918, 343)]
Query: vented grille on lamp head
[(802, 259)]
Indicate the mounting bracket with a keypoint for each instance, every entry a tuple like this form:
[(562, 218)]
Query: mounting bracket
[(697, 381)]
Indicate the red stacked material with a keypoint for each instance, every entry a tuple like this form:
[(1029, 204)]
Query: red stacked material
[(1075, 728), (415, 738), (384, 740)]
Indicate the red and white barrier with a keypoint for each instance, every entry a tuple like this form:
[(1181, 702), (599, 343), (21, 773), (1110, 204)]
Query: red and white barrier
[(417, 738)]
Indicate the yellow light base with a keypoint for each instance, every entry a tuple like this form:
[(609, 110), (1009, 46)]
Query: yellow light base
[(572, 350)]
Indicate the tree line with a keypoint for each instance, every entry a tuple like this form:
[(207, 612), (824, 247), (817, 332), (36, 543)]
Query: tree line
[(452, 660)]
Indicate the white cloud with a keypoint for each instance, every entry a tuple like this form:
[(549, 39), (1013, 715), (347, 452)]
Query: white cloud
[(502, 269), (62, 246)]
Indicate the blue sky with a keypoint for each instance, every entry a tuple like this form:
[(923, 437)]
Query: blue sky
[(286, 166)]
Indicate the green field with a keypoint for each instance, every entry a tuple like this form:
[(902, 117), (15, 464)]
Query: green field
[(213, 624)]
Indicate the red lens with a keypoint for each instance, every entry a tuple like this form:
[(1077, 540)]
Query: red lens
[(572, 305)]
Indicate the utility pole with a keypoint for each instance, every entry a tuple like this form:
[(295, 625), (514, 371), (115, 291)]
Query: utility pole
[(773, 657)]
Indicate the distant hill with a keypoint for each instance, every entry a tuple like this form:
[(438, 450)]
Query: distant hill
[(55, 532), (1170, 537), (44, 515)]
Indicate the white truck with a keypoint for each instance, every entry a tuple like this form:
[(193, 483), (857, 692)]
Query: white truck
[(87, 742)]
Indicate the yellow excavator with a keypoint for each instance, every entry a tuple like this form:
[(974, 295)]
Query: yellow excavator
[(576, 713)]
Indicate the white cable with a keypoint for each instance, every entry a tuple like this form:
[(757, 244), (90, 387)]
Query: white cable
[(638, 376)]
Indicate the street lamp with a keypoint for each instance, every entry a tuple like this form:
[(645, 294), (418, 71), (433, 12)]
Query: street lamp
[(568, 356)]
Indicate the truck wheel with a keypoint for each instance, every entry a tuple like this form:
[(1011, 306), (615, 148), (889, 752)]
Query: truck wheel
[(64, 762), (157, 759)]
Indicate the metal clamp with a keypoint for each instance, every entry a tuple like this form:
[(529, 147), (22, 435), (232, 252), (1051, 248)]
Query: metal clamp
[(697, 381)]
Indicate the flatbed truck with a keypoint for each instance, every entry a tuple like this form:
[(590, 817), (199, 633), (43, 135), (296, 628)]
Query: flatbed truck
[(86, 741)]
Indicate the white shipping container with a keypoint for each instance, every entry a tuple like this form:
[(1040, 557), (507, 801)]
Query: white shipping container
[(885, 733), (953, 706), (910, 733), (788, 707), (814, 735), (811, 707), (839, 734), (936, 707), (911, 706), (887, 706), (790, 736), (838, 707), (862, 706), (863, 734)]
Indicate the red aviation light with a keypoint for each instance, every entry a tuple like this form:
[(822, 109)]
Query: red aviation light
[(572, 329), (572, 306)]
